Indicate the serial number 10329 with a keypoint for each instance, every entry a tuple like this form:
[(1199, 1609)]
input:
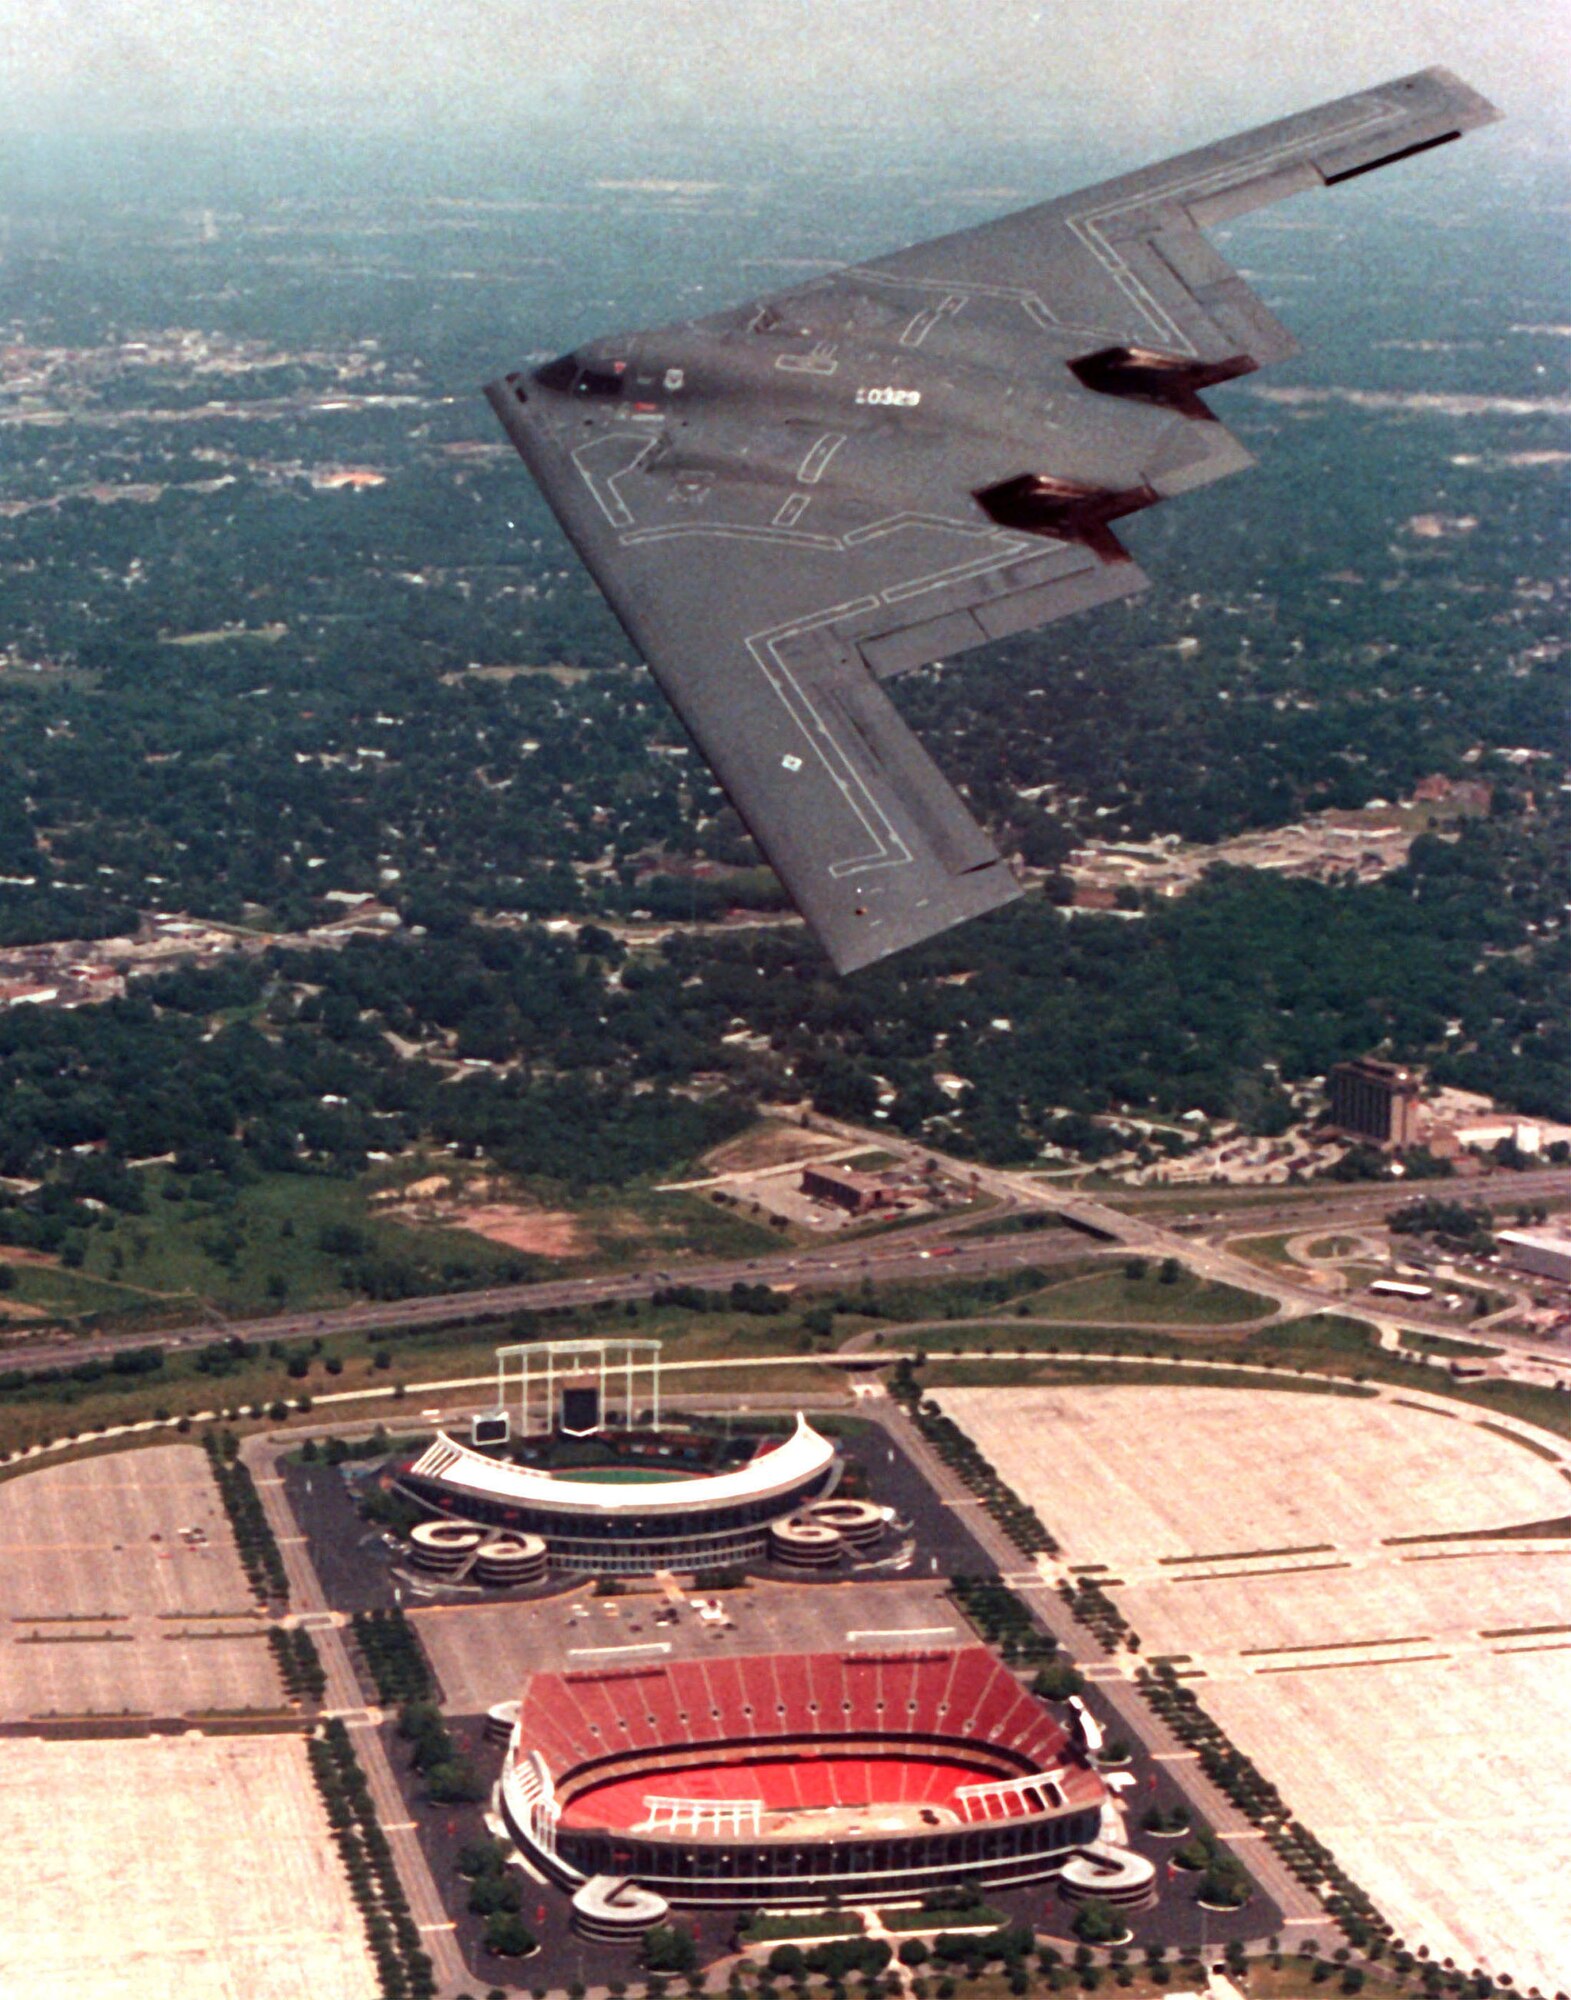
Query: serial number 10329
[(902, 399)]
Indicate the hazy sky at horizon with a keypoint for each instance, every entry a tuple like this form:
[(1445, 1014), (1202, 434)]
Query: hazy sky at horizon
[(1178, 71)]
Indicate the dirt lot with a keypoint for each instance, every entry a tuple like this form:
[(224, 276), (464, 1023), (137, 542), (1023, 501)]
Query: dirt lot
[(440, 1202), (544, 1231), (1412, 1700), (120, 1591), (191, 1866)]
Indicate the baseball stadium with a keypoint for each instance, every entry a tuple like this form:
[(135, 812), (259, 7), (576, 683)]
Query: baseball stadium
[(560, 1478)]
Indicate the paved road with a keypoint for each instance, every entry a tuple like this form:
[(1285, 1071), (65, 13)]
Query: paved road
[(1243, 1207), (913, 1252), (343, 1698), (910, 1254)]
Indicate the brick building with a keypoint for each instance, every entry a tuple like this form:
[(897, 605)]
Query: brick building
[(844, 1188), (1377, 1101)]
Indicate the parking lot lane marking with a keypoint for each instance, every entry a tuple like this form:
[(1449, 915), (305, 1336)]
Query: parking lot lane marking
[(644, 1646), (903, 1632)]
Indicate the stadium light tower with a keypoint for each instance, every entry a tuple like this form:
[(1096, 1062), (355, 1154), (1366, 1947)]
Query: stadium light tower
[(610, 1370)]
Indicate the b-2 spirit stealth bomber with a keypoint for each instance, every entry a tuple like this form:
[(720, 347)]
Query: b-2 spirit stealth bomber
[(791, 502)]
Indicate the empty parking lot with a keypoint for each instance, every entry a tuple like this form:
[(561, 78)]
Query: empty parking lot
[(121, 1592), (189, 1865), (1411, 1697), (481, 1652)]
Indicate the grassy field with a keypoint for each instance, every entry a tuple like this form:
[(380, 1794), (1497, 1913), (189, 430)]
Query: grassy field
[(287, 1239), (1270, 1251), (192, 1381), (1112, 1294), (784, 1928), (46, 1290), (943, 1920), (633, 1226), (1031, 1223), (1089, 1372), (1334, 1246), (291, 1240), (1441, 1343)]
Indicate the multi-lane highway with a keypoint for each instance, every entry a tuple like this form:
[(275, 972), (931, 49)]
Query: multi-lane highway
[(921, 1250)]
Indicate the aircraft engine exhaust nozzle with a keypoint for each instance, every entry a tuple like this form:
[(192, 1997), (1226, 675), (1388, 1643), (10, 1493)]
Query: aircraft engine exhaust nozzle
[(1145, 375), (1035, 503)]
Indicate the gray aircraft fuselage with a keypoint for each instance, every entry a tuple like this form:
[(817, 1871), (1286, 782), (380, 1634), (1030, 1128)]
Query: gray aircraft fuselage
[(795, 500), (725, 411)]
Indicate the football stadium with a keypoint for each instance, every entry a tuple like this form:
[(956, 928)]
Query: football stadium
[(782, 1777)]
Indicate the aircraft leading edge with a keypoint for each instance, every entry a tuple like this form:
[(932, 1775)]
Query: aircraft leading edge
[(791, 502)]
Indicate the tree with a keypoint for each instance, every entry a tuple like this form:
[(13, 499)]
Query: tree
[(490, 1893), (670, 1948), (1097, 1922), (1057, 1681), (1224, 1883), (508, 1936)]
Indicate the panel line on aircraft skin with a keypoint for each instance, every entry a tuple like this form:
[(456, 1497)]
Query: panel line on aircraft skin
[(918, 586), (1004, 551), (732, 531), (616, 511), (816, 462), (924, 321), (890, 848), (1021, 295), (801, 539), (1087, 228), (818, 361), (889, 524)]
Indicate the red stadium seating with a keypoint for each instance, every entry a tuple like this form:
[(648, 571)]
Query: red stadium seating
[(784, 1784), (961, 1695)]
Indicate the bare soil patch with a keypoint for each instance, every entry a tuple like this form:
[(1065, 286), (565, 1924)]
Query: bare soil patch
[(444, 1201), (544, 1231)]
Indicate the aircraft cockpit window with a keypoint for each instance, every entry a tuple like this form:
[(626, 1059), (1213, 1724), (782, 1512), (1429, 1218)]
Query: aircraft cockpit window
[(558, 374), (598, 382)]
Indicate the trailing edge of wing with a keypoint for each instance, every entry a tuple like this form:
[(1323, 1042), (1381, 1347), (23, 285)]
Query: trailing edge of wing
[(1128, 254), (872, 842)]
